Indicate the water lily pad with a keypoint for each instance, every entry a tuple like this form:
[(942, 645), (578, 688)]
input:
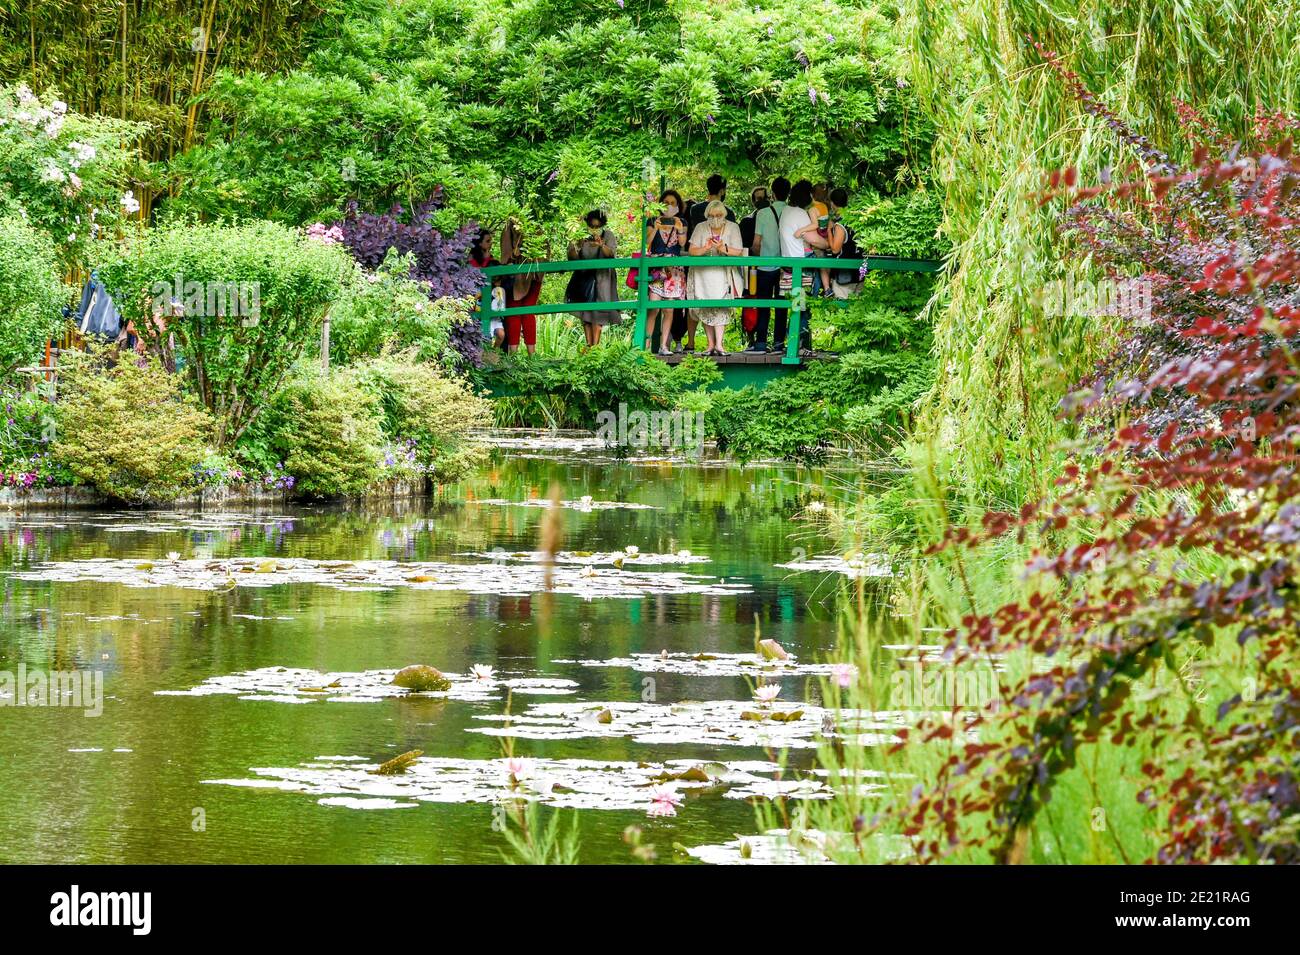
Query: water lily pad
[(711, 664), (852, 566), (293, 685), (774, 847), (582, 504)]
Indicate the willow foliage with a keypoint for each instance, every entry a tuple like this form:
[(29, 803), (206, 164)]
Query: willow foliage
[(1003, 119)]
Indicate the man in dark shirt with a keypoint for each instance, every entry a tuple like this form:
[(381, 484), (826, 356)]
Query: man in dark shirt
[(717, 187)]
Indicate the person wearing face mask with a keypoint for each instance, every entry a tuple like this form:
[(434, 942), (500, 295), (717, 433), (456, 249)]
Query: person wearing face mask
[(665, 236), (767, 241), (715, 236), (696, 215), (598, 243)]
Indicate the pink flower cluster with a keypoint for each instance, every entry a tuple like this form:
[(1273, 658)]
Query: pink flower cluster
[(330, 235)]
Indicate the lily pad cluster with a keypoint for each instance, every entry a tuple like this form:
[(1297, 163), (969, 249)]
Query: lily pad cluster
[(355, 782), (517, 575), (853, 565), (296, 685), (711, 664), (584, 503), (708, 723)]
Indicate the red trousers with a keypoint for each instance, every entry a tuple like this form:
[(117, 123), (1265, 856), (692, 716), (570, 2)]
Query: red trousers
[(527, 324)]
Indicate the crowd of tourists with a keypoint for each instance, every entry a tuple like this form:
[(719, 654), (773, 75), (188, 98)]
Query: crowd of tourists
[(800, 220)]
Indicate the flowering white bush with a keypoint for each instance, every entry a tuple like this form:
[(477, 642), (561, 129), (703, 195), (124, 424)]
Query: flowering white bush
[(67, 174)]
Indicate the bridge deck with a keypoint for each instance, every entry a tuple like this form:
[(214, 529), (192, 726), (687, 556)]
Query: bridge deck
[(747, 358)]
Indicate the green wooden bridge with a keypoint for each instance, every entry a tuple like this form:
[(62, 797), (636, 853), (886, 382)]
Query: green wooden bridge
[(738, 368)]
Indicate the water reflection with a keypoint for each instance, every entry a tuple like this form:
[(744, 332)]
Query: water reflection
[(101, 805)]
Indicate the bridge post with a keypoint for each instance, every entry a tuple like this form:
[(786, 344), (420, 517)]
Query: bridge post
[(794, 328), (642, 297), (485, 310)]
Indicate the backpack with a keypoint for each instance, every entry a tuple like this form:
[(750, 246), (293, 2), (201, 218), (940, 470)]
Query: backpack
[(849, 250)]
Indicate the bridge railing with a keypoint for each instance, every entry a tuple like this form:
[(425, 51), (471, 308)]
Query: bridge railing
[(644, 265)]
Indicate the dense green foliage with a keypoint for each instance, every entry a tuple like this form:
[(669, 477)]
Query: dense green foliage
[(385, 310), (573, 393), (31, 295), (390, 417), (127, 428), (241, 302), (328, 431), (428, 412), (547, 108)]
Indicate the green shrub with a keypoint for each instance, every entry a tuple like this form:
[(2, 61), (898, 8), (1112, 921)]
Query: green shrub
[(26, 430), (906, 224), (386, 310), (251, 297), (429, 409), (327, 429), (573, 392), (31, 295), (126, 428), (866, 397)]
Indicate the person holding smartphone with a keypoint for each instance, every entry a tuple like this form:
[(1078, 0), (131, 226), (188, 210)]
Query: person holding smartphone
[(598, 243), (715, 237)]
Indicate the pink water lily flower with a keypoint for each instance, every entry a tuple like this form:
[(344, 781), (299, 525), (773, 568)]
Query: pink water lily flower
[(844, 674), (516, 767), (766, 694), (663, 802), (481, 671)]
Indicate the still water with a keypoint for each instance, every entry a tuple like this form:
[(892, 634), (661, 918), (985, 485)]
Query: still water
[(128, 786)]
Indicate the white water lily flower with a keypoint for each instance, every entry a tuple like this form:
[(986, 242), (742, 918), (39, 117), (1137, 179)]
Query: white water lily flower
[(481, 671), (683, 554), (585, 499), (173, 555), (766, 694), (631, 550)]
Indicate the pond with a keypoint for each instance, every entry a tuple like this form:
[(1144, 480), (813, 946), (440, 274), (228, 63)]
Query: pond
[(248, 657)]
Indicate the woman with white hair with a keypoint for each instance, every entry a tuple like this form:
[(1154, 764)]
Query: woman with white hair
[(715, 236)]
